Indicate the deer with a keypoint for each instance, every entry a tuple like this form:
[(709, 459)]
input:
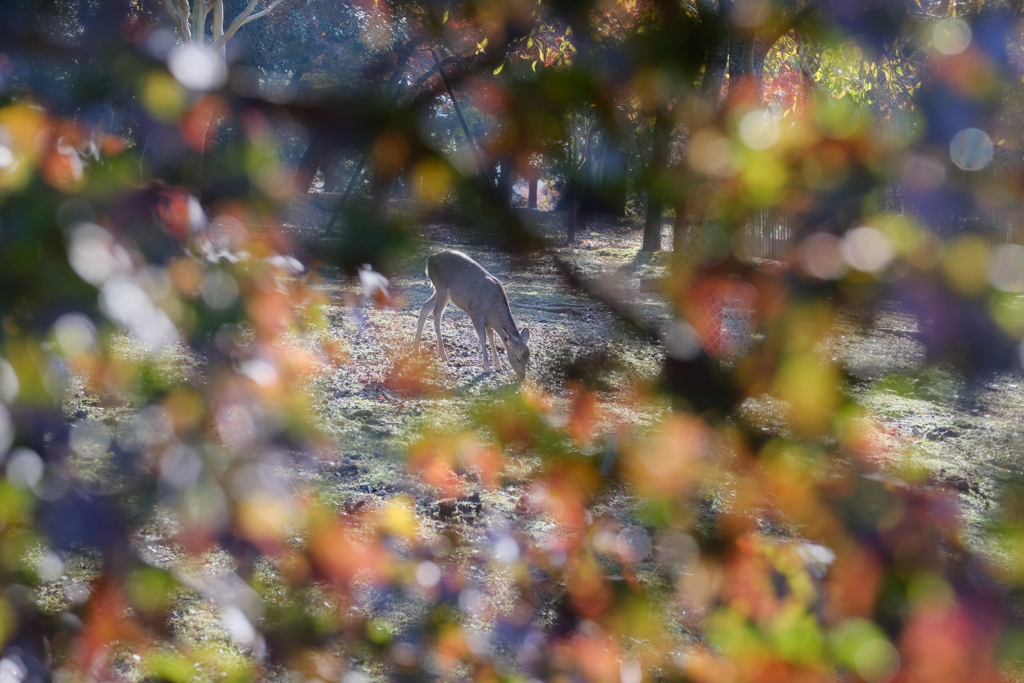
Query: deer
[(464, 282)]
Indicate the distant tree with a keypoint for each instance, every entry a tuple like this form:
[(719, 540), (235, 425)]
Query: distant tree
[(201, 22)]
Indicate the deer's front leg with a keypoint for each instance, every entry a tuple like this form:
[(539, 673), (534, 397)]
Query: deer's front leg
[(494, 350), (480, 332)]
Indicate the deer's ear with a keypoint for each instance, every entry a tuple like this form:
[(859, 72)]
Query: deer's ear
[(525, 334)]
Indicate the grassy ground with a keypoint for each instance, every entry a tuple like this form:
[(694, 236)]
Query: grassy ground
[(939, 430)]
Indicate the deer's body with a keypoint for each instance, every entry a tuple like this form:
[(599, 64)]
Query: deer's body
[(464, 282)]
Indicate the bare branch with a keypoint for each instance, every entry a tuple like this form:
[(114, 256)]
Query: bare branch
[(430, 72), (172, 10), (202, 11), (186, 29), (236, 24), (263, 12), (243, 18), (178, 11), (218, 19)]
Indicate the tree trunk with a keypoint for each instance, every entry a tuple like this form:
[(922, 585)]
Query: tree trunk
[(742, 54), (332, 171), (382, 189), (715, 22), (405, 191), (757, 70), (685, 218), (339, 210), (659, 157), (571, 236), (312, 159), (532, 202), (747, 54), (506, 179), (652, 223), (613, 181), (718, 49), (739, 56)]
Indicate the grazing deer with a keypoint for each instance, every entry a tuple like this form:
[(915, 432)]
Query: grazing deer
[(464, 282)]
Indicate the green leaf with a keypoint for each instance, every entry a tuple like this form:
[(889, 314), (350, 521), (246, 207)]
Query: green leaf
[(534, 65), (444, 19), (500, 67)]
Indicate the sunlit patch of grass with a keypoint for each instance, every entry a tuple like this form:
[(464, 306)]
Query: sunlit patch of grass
[(64, 579)]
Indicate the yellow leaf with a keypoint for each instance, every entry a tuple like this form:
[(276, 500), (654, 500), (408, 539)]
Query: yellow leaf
[(444, 19), (534, 65), (498, 70), (529, 43), (399, 517)]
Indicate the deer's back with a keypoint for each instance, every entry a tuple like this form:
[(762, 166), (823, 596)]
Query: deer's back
[(469, 285)]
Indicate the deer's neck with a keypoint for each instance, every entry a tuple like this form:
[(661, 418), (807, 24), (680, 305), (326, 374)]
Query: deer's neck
[(504, 323)]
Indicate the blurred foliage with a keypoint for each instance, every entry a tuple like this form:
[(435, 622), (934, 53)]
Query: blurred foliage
[(158, 350)]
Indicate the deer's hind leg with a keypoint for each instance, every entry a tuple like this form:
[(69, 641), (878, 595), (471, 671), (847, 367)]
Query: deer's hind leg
[(439, 306), (425, 310)]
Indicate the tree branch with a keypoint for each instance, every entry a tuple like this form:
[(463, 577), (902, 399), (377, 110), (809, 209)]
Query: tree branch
[(430, 72), (263, 12), (218, 20), (243, 18), (202, 12), (465, 128), (172, 10), (785, 26), (197, 28), (236, 24), (184, 18), (716, 45)]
